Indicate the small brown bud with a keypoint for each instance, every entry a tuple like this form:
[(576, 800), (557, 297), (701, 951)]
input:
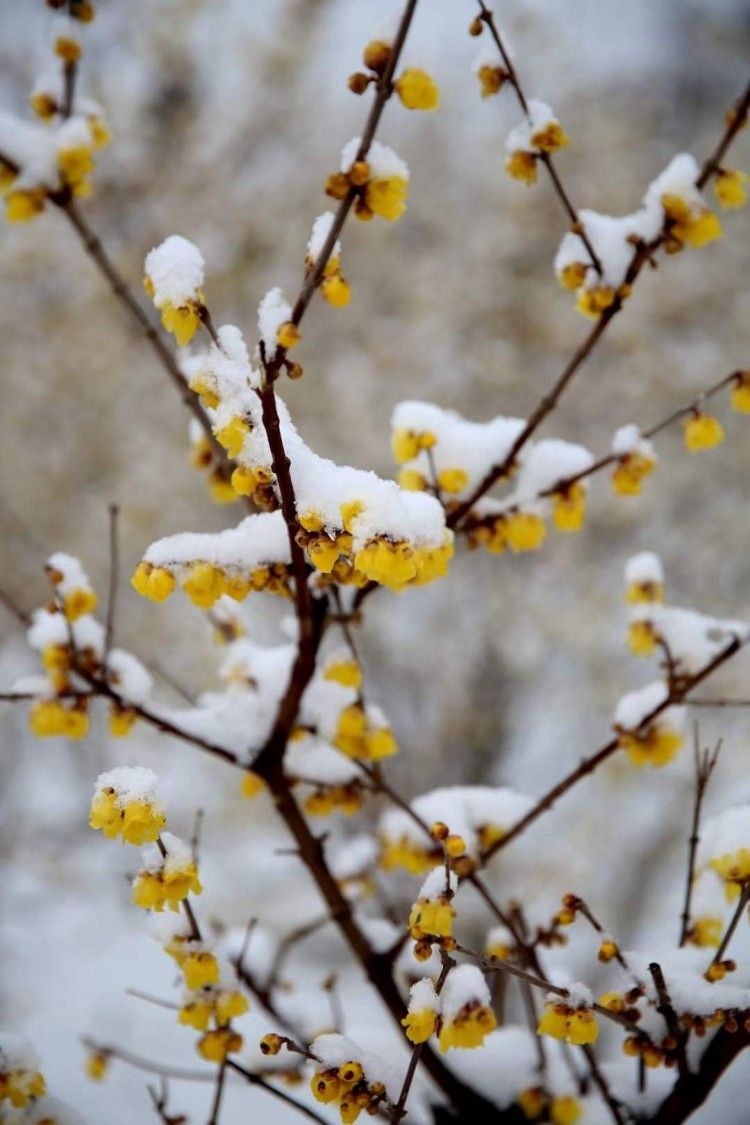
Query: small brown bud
[(439, 831), (448, 944), (463, 866), (476, 27), (294, 370), (337, 185), (271, 1044), (376, 55), (455, 846), (423, 951), (358, 82), (571, 902), (359, 173)]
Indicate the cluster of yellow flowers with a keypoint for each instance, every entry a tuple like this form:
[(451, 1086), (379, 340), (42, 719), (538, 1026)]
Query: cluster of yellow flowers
[(576, 1024), (358, 735), (125, 804), (734, 869), (466, 1016), (534, 1102), (204, 583), (347, 1085), (378, 184), (541, 134), (414, 86), (19, 1085), (169, 876)]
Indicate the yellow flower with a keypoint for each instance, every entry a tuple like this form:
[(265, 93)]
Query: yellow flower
[(222, 491), (121, 720), (387, 198), (741, 393), (43, 105), (229, 1005), (729, 188), (433, 918), (20, 1086), (644, 592), (336, 290), (251, 784), (522, 166), (469, 1029), (453, 480), (491, 79), (288, 335), (203, 584), (696, 226), (420, 1025), (233, 434), (573, 275), (641, 638), (97, 1064), (390, 564), (417, 90), (196, 1014), (593, 302), (569, 508), (564, 1111), (655, 747), (49, 718), (551, 138), (325, 1086), (216, 1045), (524, 531), (76, 165), (380, 743), (183, 321), (734, 869), (576, 1025), (412, 481), (345, 672), (703, 431), (67, 49), (200, 969), (138, 822), (155, 890), (154, 582), (24, 204), (707, 931), (630, 472)]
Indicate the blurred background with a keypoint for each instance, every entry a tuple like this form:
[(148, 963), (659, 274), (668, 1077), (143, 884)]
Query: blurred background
[(226, 118)]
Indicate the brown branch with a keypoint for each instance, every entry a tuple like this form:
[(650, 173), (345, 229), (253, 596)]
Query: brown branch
[(399, 1109), (221, 1074), (487, 17), (704, 767), (691, 1090), (643, 253), (665, 1008), (256, 1080), (733, 923), (588, 765), (114, 569)]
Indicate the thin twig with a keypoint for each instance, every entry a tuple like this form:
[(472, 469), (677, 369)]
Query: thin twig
[(114, 569), (669, 1015), (733, 923), (399, 1109), (704, 767)]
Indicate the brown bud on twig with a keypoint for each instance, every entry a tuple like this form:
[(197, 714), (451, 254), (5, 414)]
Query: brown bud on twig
[(376, 55), (476, 27), (358, 82)]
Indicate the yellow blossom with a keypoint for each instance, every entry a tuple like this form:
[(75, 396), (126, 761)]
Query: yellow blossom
[(412, 481), (569, 508), (654, 747), (433, 918), (76, 165), (167, 887), (420, 1025), (121, 720), (641, 638), (522, 166), (741, 393), (138, 822), (345, 672), (491, 79), (43, 105), (551, 138), (592, 302), (216, 1045), (734, 869), (251, 784), (288, 335), (453, 480), (154, 582), (729, 188), (228, 1005), (703, 431), (573, 275), (325, 1086), (524, 531), (24, 204), (196, 1014), (630, 472), (417, 90), (695, 225), (707, 931), (233, 434), (222, 491), (645, 592), (564, 1111), (576, 1025), (200, 969), (469, 1029), (97, 1064), (182, 321), (387, 198), (203, 584), (336, 290)]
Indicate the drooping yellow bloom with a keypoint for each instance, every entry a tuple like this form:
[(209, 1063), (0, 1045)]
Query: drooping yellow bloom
[(288, 335), (569, 508), (20, 1086), (216, 1045), (524, 531), (154, 582), (387, 198), (593, 301), (707, 931), (642, 638), (412, 481), (703, 431), (551, 138), (565, 1111), (417, 90), (491, 79), (50, 717), (182, 321), (325, 1086), (196, 1014), (76, 165), (573, 275), (522, 166), (251, 784), (138, 822), (203, 584), (431, 918), (345, 672), (469, 1028), (200, 969), (687, 223), (741, 393), (729, 188), (734, 869), (655, 747), (630, 472), (233, 434), (453, 480), (336, 290), (645, 592), (97, 1064), (228, 1005), (121, 720), (153, 890), (387, 563), (420, 1025), (576, 1025), (24, 204)]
